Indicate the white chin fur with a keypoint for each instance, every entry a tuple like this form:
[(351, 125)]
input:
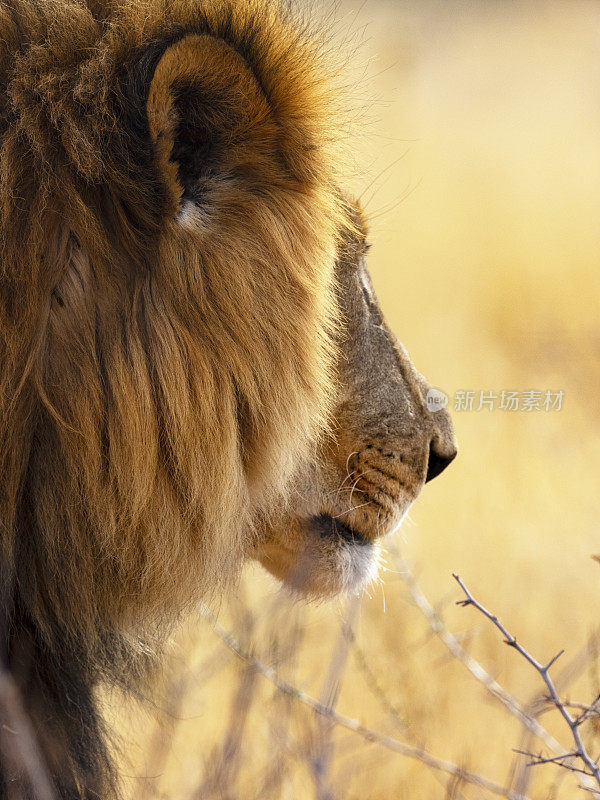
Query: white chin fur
[(347, 570), (358, 565)]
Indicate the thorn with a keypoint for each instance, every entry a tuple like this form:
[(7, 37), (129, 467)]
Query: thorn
[(553, 661)]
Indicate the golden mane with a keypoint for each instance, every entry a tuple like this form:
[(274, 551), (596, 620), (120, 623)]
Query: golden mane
[(159, 380), (188, 333)]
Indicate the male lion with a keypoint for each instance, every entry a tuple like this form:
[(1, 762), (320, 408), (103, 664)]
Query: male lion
[(193, 365)]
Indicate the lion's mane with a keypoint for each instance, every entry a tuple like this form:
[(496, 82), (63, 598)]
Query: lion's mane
[(168, 224)]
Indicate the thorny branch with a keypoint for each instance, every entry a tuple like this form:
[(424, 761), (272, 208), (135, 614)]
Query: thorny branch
[(474, 667), (542, 702), (580, 752), (563, 760), (350, 724), (590, 711)]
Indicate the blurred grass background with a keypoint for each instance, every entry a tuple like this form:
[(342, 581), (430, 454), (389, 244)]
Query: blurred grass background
[(481, 132)]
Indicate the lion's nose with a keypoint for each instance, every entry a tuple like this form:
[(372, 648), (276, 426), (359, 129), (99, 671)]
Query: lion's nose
[(438, 461)]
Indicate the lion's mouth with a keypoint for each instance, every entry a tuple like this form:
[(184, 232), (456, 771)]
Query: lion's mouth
[(320, 556), (344, 559), (328, 527)]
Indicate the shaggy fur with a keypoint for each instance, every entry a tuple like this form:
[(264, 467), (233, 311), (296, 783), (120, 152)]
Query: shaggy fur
[(194, 368), (383, 445), (168, 228)]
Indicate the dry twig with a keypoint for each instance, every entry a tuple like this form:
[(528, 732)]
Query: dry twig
[(580, 752), (353, 725), (475, 668), (541, 702), (322, 749)]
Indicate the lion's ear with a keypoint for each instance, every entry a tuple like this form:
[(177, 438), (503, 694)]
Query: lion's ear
[(208, 119)]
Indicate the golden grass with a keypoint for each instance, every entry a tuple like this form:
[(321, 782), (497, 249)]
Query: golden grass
[(486, 263)]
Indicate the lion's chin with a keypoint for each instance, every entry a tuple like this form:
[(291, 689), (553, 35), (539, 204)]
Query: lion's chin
[(321, 558)]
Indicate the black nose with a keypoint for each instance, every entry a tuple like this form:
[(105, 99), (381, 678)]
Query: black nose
[(438, 461)]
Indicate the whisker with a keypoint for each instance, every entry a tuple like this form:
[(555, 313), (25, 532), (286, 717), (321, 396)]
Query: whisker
[(341, 514), (341, 486), (353, 488), (354, 453)]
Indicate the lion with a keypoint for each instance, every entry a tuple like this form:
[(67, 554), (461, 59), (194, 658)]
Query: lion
[(194, 368)]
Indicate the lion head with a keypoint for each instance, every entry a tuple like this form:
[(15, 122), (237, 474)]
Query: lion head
[(384, 444), (194, 369)]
